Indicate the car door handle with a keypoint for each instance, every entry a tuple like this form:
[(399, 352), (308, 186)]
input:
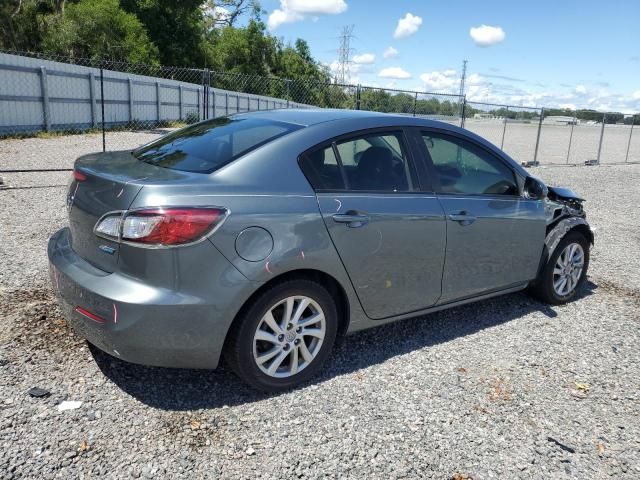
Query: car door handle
[(463, 218), (353, 220)]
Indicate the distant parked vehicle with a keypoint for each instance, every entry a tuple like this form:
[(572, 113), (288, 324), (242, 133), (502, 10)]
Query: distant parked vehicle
[(262, 236)]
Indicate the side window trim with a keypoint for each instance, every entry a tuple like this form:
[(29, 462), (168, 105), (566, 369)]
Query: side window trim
[(434, 174), (343, 173)]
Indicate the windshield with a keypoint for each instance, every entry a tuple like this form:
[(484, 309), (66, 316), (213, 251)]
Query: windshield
[(207, 146)]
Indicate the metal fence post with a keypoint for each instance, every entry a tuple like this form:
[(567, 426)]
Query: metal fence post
[(130, 99), (45, 99), (92, 99), (207, 88), (288, 83), (158, 100), (504, 129), (463, 111), (535, 154), (604, 119), (104, 142), (633, 120), (415, 103), (573, 124), (180, 101), (226, 103), (358, 97), (213, 104), (198, 97)]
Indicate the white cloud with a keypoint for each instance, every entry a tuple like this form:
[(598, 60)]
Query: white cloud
[(636, 95), (394, 72), (352, 74), (390, 52), (291, 11), (407, 26), (445, 81), (485, 35), (581, 90), (474, 80), (364, 59)]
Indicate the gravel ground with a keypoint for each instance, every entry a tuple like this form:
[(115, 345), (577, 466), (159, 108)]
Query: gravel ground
[(503, 388)]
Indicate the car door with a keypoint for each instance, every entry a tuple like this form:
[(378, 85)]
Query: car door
[(494, 235), (387, 229)]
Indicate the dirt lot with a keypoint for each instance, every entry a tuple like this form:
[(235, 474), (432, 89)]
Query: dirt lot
[(506, 388)]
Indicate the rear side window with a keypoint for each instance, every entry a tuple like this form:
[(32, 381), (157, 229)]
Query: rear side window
[(373, 162), (207, 146)]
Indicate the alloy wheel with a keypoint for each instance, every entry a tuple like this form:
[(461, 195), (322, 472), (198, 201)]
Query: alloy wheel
[(568, 269), (289, 336)]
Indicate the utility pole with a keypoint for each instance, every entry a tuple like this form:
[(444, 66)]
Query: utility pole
[(463, 77), (461, 98), (344, 54)]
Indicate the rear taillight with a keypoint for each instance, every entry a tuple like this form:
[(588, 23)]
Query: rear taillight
[(79, 176), (161, 226)]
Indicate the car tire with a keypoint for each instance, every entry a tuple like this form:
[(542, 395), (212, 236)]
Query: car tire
[(300, 347), (547, 285)]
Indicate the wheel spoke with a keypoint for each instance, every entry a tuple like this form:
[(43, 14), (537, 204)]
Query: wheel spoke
[(576, 275), (557, 271), (266, 337), (286, 317), (302, 306), (268, 355), (271, 322), (313, 319), (563, 283), (313, 332), (557, 283), (277, 362), (294, 361), (304, 351)]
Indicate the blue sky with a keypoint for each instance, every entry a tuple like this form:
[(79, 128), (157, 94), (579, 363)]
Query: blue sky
[(583, 54)]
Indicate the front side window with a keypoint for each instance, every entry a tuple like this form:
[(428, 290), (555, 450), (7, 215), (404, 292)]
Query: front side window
[(206, 146), (373, 162), (465, 168)]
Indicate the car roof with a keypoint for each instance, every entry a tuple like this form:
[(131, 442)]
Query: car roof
[(311, 116)]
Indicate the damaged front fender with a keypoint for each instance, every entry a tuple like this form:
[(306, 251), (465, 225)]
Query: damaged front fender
[(563, 227)]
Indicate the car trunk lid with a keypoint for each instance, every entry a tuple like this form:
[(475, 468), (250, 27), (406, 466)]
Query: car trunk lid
[(107, 182)]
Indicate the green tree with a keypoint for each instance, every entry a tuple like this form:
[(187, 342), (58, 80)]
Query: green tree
[(175, 27), (98, 29)]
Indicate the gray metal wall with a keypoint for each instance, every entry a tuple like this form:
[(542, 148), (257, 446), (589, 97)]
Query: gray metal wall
[(45, 95)]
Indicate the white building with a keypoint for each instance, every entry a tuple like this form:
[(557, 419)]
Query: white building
[(560, 120)]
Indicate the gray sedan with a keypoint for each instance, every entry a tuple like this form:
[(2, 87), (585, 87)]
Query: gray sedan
[(263, 236)]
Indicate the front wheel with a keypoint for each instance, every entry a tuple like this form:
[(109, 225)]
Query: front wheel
[(565, 271), (284, 337)]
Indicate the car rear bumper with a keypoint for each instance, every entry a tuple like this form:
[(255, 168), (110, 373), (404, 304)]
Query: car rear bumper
[(141, 323)]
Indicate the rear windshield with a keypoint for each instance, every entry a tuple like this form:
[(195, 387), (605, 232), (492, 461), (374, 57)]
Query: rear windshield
[(207, 146)]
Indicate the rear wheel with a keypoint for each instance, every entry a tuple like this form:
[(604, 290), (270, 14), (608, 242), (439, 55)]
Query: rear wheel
[(565, 271), (284, 337)]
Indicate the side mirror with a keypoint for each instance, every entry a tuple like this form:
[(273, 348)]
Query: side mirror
[(534, 189)]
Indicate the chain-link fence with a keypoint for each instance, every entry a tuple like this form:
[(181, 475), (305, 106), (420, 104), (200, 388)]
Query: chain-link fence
[(120, 105), (514, 129)]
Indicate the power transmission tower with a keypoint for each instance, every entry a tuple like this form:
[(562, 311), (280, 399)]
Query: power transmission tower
[(344, 54)]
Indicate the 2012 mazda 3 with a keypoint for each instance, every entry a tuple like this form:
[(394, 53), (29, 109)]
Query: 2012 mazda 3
[(262, 236)]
